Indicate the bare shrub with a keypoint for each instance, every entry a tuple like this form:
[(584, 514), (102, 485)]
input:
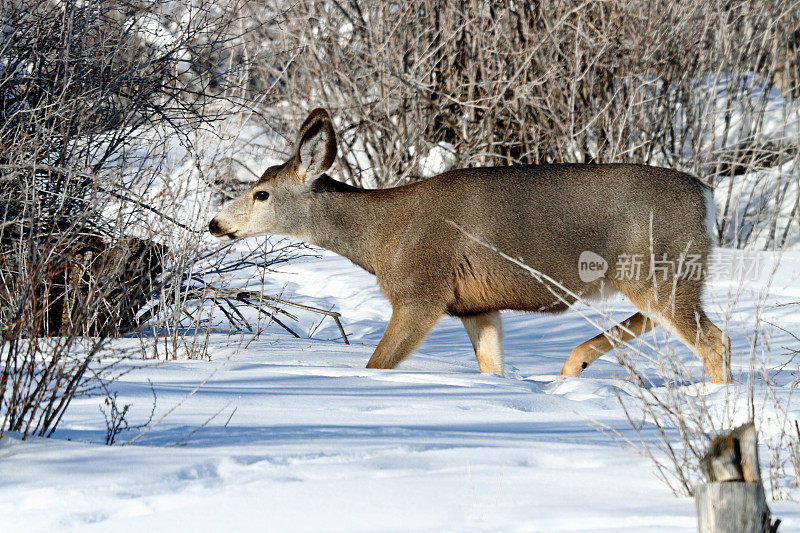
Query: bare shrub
[(686, 416), (184, 303), (93, 96)]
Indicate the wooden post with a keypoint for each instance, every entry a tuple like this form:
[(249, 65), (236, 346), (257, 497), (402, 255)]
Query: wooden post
[(733, 501)]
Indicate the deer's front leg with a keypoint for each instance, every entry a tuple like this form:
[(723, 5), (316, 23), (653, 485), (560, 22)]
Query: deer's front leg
[(406, 329)]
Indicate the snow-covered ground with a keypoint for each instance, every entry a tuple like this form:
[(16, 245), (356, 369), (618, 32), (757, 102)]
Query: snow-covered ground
[(306, 439), (276, 433)]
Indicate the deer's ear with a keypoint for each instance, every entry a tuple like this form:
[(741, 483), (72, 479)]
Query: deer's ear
[(316, 146)]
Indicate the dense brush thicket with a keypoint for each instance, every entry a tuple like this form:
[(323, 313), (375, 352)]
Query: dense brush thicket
[(702, 86), (87, 90)]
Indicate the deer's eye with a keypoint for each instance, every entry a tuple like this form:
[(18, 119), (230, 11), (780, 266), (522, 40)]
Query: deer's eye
[(261, 195)]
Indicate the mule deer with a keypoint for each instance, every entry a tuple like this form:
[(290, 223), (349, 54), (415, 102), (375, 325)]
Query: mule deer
[(546, 215)]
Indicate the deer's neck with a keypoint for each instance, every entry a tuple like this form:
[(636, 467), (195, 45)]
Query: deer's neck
[(349, 221)]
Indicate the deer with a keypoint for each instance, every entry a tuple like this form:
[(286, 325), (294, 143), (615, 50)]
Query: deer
[(411, 238)]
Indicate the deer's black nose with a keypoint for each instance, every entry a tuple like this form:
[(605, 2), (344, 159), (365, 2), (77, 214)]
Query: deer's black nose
[(213, 226)]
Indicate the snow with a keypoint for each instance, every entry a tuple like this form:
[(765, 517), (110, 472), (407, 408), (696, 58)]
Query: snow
[(439, 158), (295, 434), (736, 107), (759, 198), (743, 112)]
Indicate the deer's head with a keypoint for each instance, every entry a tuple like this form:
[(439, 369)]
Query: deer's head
[(278, 202)]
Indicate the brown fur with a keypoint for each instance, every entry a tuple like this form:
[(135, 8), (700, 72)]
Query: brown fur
[(544, 215)]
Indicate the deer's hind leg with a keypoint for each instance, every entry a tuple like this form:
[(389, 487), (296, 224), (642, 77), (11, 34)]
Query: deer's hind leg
[(705, 339), (486, 334), (586, 353), (679, 310)]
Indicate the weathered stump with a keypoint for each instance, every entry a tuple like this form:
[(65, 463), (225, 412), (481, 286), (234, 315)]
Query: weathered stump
[(732, 507), (733, 501)]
